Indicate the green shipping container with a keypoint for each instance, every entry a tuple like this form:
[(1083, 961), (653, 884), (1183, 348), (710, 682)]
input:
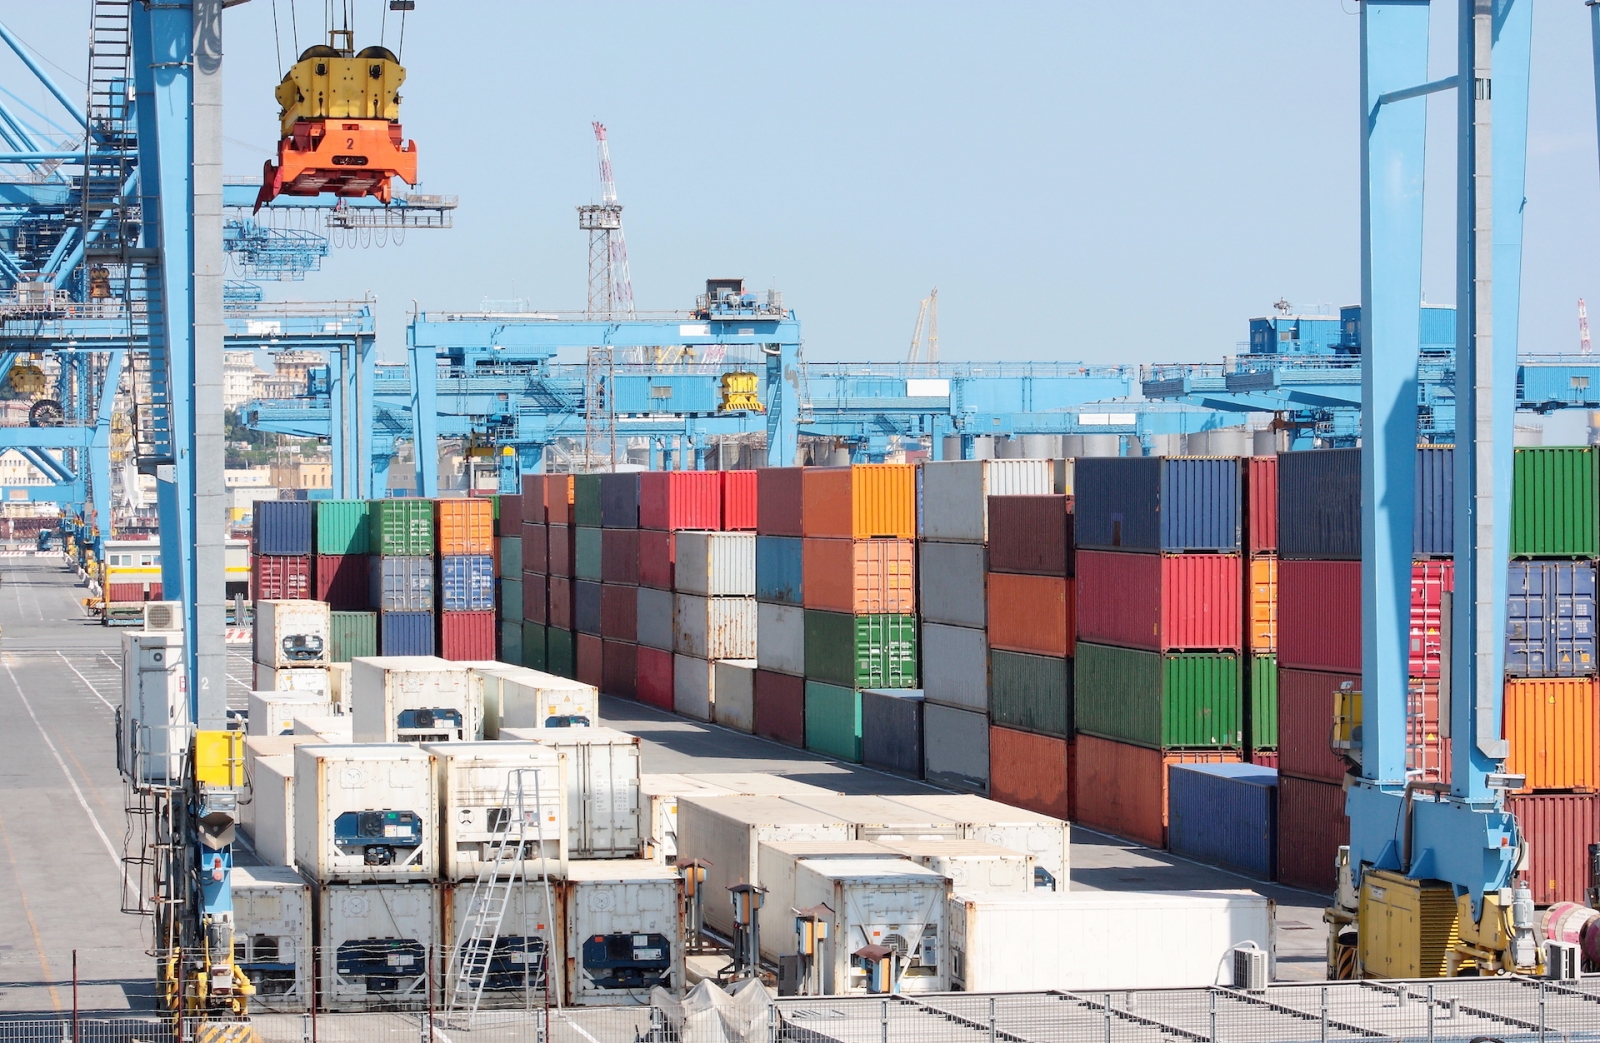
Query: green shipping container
[(511, 555), (511, 643), (352, 634), (401, 527), (586, 553), (558, 655), (586, 500), (833, 721), (511, 599), (1179, 700), (1264, 702), (1031, 692), (342, 527), (536, 644), (877, 651), (1554, 507)]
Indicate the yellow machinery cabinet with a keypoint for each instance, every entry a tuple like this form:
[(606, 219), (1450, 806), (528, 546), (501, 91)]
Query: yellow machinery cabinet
[(326, 85), (1408, 928), (219, 758), (741, 390)]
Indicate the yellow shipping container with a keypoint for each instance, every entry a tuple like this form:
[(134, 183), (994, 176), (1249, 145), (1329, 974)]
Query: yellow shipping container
[(1553, 726), (861, 501), (1263, 601), (465, 526)]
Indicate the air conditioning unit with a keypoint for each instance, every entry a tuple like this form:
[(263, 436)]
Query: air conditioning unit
[(1562, 960), (1250, 969), (163, 615)]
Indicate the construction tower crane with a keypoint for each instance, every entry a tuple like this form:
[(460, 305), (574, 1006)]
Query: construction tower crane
[(1584, 346), (927, 320), (610, 286)]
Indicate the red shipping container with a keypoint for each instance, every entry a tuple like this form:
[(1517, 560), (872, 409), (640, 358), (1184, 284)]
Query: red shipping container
[(1319, 615), (560, 551), (278, 577), (1305, 723), (1030, 771), (619, 669), (619, 612), (619, 556), (656, 550), (1426, 750), (1265, 758), (1122, 789), (508, 516), (1031, 614), (466, 636), (535, 548), (1159, 602), (126, 592), (1559, 827), (1031, 534), (778, 501), (535, 598), (342, 582), (1429, 581), (739, 491), (1261, 504), (780, 706), (558, 499), (655, 677), (560, 603), (680, 500), (588, 659), (1311, 828), (532, 499)]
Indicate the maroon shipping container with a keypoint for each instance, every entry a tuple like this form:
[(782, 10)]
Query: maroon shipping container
[(1319, 615), (655, 677), (1265, 758), (656, 550), (1559, 827), (739, 498), (1160, 601), (619, 612), (278, 577), (1031, 534), (1305, 723), (559, 552), (619, 669), (135, 592), (1429, 581), (508, 515), (1311, 828), (680, 500), (1122, 789), (467, 636), (535, 547), (342, 582), (558, 499), (587, 659), (535, 598), (1261, 504), (532, 500), (560, 603), (780, 704), (619, 556), (778, 501)]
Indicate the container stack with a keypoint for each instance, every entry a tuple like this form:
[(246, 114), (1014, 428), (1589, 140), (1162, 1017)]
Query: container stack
[(1158, 679), (292, 647), (282, 543), (547, 574), (619, 587), (1432, 579), (778, 687), (668, 502), (401, 577), (586, 574), (508, 588), (466, 579), (343, 544), (1552, 706), (1261, 610)]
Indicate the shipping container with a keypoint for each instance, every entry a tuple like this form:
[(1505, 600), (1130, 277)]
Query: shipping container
[(325, 730), (861, 651), (1306, 700), (375, 939), (874, 899), (1554, 508), (955, 748), (833, 721), (1553, 727), (535, 541), (653, 617), (1165, 701), (776, 862), (694, 690), (739, 490), (292, 633), (1261, 711), (619, 555), (602, 770), (955, 666), (1045, 837), (619, 668), (779, 570), (273, 924), (718, 564), (1031, 692), (1261, 626), (402, 584), (466, 582), (508, 514), (533, 509), (508, 599), (585, 508), (782, 644), (1030, 771), (415, 698), (1031, 534), (891, 729), (680, 500), (1158, 504), (860, 576), (400, 528), (560, 550), (779, 708), (560, 490), (860, 501), (341, 527), (1031, 613), (656, 552), (1559, 829), (530, 927), (954, 494), (624, 932), (512, 647), (954, 582), (1429, 581), (464, 526), (535, 655), (1550, 619), (1319, 615), (619, 608), (467, 636), (310, 679), (342, 581), (406, 633), (1435, 533), (561, 652), (1122, 789), (733, 681), (1261, 504), (656, 677), (366, 813), (586, 607), (1311, 828), (587, 556), (780, 501), (560, 613), (273, 578), (1156, 601), (479, 784), (282, 528), (619, 500), (531, 698), (1319, 505), (508, 555), (273, 713), (714, 628), (1226, 814), (352, 634)]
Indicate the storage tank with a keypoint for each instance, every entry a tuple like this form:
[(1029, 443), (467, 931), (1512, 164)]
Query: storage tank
[(776, 862), (293, 633), (602, 785), (622, 931), (890, 902), (273, 713), (153, 724), (272, 935), (1047, 839), (478, 783), (529, 928), (365, 813), (412, 699), (375, 939), (520, 697), (971, 866)]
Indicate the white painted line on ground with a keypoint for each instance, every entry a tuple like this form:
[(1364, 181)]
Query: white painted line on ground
[(85, 680)]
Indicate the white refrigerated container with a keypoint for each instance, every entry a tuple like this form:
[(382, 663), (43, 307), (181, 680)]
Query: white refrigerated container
[(873, 817), (273, 713), (521, 697), (970, 865), (530, 927), (776, 862), (336, 729), (365, 813), (310, 680), (293, 633), (271, 825), (375, 940), (1046, 839), (412, 699), (604, 817), (891, 902), (658, 802), (272, 932), (478, 783), (623, 931)]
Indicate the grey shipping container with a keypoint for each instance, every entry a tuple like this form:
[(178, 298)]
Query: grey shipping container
[(1158, 504), (955, 666), (778, 570), (952, 578), (655, 618), (402, 584), (1550, 619), (955, 745), (1319, 505), (781, 638), (283, 527), (1435, 533), (1226, 814), (406, 633), (1031, 692), (586, 607), (619, 500), (891, 730)]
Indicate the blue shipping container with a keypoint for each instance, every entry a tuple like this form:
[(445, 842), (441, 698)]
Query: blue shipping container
[(1226, 814), (283, 527), (1550, 619), (619, 500), (778, 569), (1435, 533), (405, 633), (401, 583), (466, 582), (1319, 505), (1157, 504), (891, 729), (586, 607)]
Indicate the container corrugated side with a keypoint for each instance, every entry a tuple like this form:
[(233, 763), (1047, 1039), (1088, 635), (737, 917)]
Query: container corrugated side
[(733, 681), (1122, 789), (464, 526), (619, 500), (342, 527), (1159, 601), (400, 527), (1226, 814), (1262, 710), (1031, 692), (656, 551), (739, 501), (1176, 700), (510, 650), (1554, 508), (779, 570), (535, 549), (891, 730), (403, 584), (585, 501), (953, 580), (508, 514), (1319, 615), (560, 490), (466, 582), (536, 647), (352, 634), (1116, 501), (1311, 828), (619, 608), (714, 628), (693, 687), (1031, 534), (780, 501), (1031, 613), (619, 670), (955, 748), (658, 678), (860, 501), (467, 636), (533, 508), (406, 633), (1261, 632), (560, 550), (1435, 532), (780, 707), (1559, 827), (1030, 771), (719, 564), (342, 581), (586, 607), (653, 617), (781, 632), (282, 527), (1200, 504), (1306, 701), (680, 500), (861, 576), (1319, 504), (536, 602), (833, 721), (509, 599), (619, 555), (1550, 619), (955, 666), (1261, 504), (508, 551), (587, 554), (1553, 726), (953, 493), (561, 653)]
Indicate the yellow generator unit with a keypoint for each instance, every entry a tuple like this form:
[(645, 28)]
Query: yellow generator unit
[(27, 379), (1408, 928), (741, 392)]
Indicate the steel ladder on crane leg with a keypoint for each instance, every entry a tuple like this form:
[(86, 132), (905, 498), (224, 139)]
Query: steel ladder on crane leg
[(497, 879)]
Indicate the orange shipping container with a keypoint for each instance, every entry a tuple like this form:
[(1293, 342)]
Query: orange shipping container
[(1030, 771), (860, 576), (1553, 726), (464, 526), (1031, 614), (1263, 605), (860, 501), (1122, 789)]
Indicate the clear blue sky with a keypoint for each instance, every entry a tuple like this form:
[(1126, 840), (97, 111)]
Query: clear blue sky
[(1099, 181)]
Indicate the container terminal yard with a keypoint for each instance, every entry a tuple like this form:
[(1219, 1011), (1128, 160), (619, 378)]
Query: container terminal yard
[(620, 675)]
